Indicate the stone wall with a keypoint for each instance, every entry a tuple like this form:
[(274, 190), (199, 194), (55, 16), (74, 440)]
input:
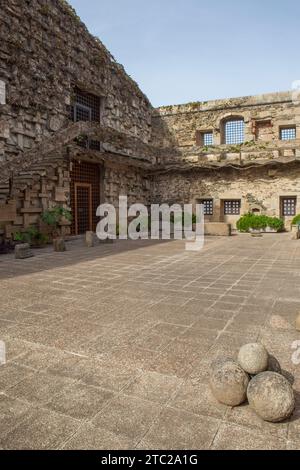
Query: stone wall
[(183, 121), (259, 189), (126, 182), (45, 52), (181, 128), (148, 155)]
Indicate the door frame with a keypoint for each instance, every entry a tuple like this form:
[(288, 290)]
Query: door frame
[(89, 186)]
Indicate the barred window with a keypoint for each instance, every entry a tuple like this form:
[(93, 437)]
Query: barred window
[(86, 107), (87, 101), (235, 131), (82, 113), (288, 133), (204, 138), (288, 206), (208, 206), (232, 207), (208, 138)]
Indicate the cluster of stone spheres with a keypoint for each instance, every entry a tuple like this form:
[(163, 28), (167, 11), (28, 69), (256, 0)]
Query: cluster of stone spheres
[(256, 376)]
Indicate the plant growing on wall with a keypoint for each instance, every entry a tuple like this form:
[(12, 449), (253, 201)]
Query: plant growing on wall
[(53, 218)]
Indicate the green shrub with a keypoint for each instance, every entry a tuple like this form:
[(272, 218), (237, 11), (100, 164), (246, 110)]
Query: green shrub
[(259, 222), (296, 220), (32, 236), (53, 217), (275, 223)]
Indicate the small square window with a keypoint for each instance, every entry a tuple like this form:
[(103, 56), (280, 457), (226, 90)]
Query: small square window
[(232, 207), (208, 138), (208, 206), (288, 206), (288, 133), (204, 138)]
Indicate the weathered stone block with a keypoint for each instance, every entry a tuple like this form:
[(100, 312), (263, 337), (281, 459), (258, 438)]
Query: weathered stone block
[(217, 229), (90, 239), (23, 251), (59, 245), (8, 212)]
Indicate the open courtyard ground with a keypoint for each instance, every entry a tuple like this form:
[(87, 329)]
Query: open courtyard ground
[(111, 347)]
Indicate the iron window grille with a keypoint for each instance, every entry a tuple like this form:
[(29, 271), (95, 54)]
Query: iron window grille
[(208, 206), (288, 133), (86, 108), (232, 207), (289, 206), (208, 139), (235, 132)]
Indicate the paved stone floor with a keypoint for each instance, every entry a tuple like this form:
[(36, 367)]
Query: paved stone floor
[(110, 347)]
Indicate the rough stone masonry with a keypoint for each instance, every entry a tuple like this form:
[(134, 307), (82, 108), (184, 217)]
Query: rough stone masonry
[(76, 131)]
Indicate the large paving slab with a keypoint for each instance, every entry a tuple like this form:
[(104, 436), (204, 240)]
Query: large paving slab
[(110, 347)]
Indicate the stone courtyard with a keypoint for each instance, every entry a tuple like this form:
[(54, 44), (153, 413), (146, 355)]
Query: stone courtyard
[(110, 347)]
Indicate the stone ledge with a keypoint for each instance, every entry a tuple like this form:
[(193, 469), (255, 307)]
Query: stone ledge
[(217, 229)]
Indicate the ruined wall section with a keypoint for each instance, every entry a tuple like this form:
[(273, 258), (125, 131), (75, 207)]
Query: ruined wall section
[(179, 127)]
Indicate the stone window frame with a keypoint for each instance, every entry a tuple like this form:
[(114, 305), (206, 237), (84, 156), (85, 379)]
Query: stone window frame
[(232, 206), (260, 123), (200, 137), (288, 127), (92, 104), (208, 205), (289, 202), (223, 123)]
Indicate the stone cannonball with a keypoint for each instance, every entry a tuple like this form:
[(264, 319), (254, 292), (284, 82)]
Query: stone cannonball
[(271, 397), (229, 382), (253, 358)]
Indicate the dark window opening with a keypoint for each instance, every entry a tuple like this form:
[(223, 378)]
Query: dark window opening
[(208, 206), (86, 108), (288, 206), (232, 207)]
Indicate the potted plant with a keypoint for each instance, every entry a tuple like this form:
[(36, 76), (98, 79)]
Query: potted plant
[(259, 224), (55, 218)]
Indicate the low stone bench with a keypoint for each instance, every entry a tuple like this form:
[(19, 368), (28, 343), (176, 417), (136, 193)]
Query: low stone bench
[(23, 251), (219, 229)]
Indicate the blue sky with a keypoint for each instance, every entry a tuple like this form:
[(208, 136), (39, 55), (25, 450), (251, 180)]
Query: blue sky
[(192, 50)]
